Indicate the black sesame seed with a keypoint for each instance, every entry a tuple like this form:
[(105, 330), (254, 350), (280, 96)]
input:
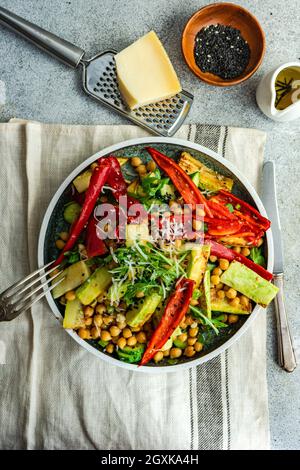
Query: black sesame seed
[(221, 50)]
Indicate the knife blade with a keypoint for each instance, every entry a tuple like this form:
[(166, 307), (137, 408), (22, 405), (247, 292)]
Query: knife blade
[(269, 198), (286, 354)]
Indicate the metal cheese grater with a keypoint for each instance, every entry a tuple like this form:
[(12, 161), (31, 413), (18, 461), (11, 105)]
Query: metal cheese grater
[(99, 78)]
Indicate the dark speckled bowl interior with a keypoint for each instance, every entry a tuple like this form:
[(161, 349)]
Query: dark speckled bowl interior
[(56, 223)]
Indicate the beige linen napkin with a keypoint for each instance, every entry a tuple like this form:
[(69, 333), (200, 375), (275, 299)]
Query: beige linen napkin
[(54, 394)]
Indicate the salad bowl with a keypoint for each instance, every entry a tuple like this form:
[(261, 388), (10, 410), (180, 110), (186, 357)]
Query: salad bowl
[(53, 223)]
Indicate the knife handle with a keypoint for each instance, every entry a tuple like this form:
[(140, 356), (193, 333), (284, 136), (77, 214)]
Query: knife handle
[(286, 354)]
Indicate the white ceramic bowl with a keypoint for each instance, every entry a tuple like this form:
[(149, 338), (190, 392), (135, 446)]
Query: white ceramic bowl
[(218, 161)]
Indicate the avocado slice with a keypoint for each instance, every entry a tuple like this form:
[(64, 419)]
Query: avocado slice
[(74, 316), (74, 276), (197, 264), (249, 283), (71, 212), (122, 160), (82, 181), (141, 313), (168, 191), (95, 285), (223, 305), (136, 233), (206, 178), (205, 299)]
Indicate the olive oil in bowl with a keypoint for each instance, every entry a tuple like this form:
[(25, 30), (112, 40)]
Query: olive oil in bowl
[(287, 86)]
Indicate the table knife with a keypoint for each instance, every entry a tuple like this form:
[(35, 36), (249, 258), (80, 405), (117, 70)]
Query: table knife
[(286, 354)]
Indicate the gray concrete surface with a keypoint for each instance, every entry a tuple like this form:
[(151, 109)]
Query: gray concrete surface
[(35, 86)]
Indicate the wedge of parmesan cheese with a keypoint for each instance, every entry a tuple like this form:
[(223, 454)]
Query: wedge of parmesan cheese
[(145, 73)]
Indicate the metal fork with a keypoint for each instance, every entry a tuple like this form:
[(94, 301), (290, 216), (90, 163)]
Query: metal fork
[(12, 300)]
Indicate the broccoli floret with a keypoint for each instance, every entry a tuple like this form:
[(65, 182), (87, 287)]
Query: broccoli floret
[(131, 355)]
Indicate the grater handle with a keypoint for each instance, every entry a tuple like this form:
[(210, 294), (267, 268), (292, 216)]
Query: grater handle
[(59, 48)]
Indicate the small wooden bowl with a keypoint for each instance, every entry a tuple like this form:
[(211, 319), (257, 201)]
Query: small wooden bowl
[(226, 14)]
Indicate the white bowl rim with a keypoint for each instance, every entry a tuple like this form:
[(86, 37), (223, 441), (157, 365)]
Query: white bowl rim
[(146, 141)]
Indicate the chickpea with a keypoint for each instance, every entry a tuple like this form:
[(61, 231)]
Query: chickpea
[(189, 351), (121, 325), (121, 343), (189, 320), (110, 348), (194, 324), (141, 337), (224, 264), (194, 302), (64, 236), (197, 224), (70, 295), (178, 243), (237, 249), (234, 302), (135, 329), (151, 165), (83, 333), (95, 332), (260, 242), (232, 318), (120, 317), (141, 169), (217, 271), (221, 294), (191, 341), (105, 335), (140, 294), (88, 311), (88, 321), (231, 293), (244, 300), (183, 337), (193, 332), (132, 341), (114, 331), (136, 161), (127, 333), (98, 320), (183, 324), (100, 308), (60, 244), (166, 353), (107, 320), (219, 286), (198, 346), (158, 356), (245, 251), (175, 353), (94, 165), (214, 279), (213, 258)]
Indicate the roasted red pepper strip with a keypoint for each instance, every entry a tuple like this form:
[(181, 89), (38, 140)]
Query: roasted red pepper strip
[(222, 227), (182, 182), (115, 179), (175, 310), (245, 208), (222, 251), (98, 179), (219, 211), (95, 246)]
